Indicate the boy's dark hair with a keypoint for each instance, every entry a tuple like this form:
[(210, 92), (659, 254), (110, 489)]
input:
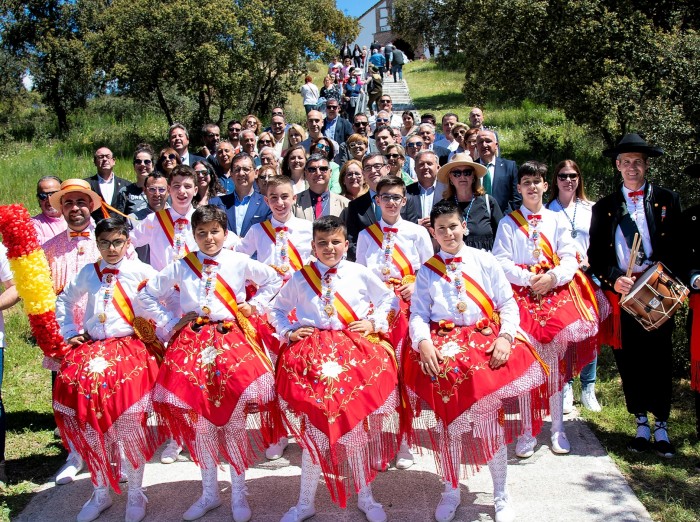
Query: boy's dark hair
[(428, 118), (532, 168), (445, 207), (182, 170), (390, 182), (278, 181), (112, 224), (208, 213), (329, 224)]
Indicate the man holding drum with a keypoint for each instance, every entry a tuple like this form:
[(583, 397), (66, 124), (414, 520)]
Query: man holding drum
[(644, 358)]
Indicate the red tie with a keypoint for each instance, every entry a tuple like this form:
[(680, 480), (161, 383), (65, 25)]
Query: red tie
[(453, 260), (284, 229), (80, 234), (533, 216), (210, 262), (635, 193), (182, 222), (389, 229), (319, 207), (110, 271)]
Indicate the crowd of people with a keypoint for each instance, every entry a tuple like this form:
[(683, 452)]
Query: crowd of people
[(263, 288)]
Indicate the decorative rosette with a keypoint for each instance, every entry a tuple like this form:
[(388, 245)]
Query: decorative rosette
[(32, 278)]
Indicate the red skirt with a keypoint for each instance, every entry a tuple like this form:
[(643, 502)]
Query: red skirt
[(470, 407), (102, 400), (213, 381), (563, 328), (339, 395)]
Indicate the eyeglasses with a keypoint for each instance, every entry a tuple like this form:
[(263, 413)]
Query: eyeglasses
[(356, 144), (376, 166), (142, 162), (563, 176), (246, 170), (202, 172), (332, 107), (317, 169), (43, 196), (278, 113), (393, 156), (382, 120), (171, 157), (103, 244), (415, 145), (393, 198), (321, 146), (361, 123), (384, 101), (265, 142), (157, 190), (460, 173), (103, 156), (353, 174)]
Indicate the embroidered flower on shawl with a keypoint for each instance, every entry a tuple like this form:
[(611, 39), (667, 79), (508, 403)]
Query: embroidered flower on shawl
[(331, 370), (208, 355), (450, 349), (98, 365)]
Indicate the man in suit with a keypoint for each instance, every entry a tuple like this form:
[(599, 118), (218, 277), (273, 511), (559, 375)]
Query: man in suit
[(427, 191), (501, 178), (105, 182), (180, 140), (244, 206), (643, 358), (317, 200), (360, 126), (334, 126), (364, 211)]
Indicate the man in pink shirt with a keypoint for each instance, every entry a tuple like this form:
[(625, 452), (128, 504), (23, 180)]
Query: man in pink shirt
[(49, 222)]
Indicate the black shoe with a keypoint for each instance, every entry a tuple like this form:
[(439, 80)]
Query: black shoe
[(664, 448), (639, 445)]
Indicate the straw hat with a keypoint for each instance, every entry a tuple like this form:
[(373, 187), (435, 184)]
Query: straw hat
[(461, 159), (75, 185)]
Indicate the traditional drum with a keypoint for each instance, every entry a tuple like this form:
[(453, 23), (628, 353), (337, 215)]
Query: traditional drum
[(655, 297)]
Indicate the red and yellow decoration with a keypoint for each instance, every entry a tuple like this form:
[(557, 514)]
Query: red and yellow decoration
[(32, 278), (345, 313)]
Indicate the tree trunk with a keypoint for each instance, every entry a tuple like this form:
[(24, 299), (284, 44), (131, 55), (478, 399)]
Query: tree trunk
[(164, 104)]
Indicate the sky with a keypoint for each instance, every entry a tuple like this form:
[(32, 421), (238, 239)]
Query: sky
[(354, 7)]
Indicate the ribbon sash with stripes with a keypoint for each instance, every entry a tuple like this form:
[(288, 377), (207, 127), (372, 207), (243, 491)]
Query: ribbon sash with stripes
[(313, 277), (168, 226), (545, 245), (399, 259), (222, 290), (122, 303), (473, 290), (294, 257)]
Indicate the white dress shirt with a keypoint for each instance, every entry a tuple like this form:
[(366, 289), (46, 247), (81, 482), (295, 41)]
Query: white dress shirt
[(150, 232), (106, 187), (439, 298), (511, 247), (413, 240), (355, 283), (427, 197), (233, 267), (87, 283), (256, 240), (635, 207)]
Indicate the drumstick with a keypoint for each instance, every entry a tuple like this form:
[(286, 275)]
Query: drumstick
[(633, 253)]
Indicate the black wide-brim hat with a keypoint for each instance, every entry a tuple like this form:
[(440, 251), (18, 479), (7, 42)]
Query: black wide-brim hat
[(633, 143)]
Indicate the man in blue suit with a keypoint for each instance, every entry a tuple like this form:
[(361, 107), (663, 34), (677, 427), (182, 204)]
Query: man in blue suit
[(501, 178), (244, 206)]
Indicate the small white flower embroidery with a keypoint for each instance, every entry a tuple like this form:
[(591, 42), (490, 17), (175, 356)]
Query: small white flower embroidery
[(98, 365), (450, 349), (208, 355), (331, 370)]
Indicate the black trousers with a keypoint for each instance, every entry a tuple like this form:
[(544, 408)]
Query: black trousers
[(645, 363)]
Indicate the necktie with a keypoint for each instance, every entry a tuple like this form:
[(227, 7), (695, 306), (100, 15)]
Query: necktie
[(488, 178), (80, 234), (110, 271), (390, 230), (635, 193), (318, 210)]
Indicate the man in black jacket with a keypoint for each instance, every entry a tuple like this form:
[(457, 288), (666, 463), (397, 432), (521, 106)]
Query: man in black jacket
[(643, 358)]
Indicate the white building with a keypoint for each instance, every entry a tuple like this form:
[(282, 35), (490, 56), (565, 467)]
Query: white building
[(375, 25)]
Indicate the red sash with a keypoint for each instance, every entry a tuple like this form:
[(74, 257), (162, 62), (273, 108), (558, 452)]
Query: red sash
[(168, 226), (399, 259), (122, 303), (294, 257), (313, 277)]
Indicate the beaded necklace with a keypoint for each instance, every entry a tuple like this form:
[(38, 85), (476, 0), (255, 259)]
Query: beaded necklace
[(469, 209), (209, 273), (387, 249), (327, 292), (571, 220)]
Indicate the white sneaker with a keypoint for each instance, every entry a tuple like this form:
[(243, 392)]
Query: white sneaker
[(588, 398), (447, 507), (135, 505), (171, 453), (201, 507), (560, 443), (74, 465), (275, 451), (404, 458), (374, 512), (504, 511), (239, 505), (297, 514), (568, 393), (525, 446), (99, 501)]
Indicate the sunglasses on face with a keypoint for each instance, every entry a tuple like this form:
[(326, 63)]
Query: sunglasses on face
[(460, 173), (171, 157), (564, 176), (332, 107), (361, 123), (277, 114), (321, 146), (384, 101), (317, 169), (415, 145), (393, 156), (382, 120), (142, 162), (43, 196), (265, 142), (201, 172)]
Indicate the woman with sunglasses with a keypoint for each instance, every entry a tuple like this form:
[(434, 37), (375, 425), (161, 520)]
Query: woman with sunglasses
[(352, 181), (168, 159), (462, 177), (408, 127), (132, 198), (266, 139), (253, 123), (414, 144), (294, 136), (396, 156), (459, 131), (293, 166), (208, 185), (567, 195), (325, 146)]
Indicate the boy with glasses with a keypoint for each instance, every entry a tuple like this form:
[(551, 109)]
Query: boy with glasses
[(49, 222)]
